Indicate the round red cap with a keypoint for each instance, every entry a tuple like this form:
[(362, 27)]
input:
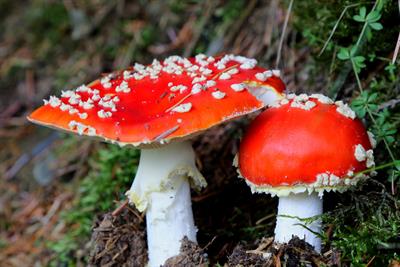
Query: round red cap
[(162, 101), (305, 143)]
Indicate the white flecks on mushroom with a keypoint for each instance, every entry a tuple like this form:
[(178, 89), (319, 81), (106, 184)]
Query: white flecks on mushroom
[(81, 128), (86, 104), (182, 108), (180, 88), (74, 99), (138, 67), (83, 88), (104, 114), (170, 84), (106, 97), (370, 158), (303, 105), (322, 180), (235, 162), (123, 87), (205, 71), (263, 76), (364, 155), (238, 87), (260, 76), (179, 120), (83, 116), (72, 111), (94, 91), (54, 101), (301, 98), (192, 68), (210, 83), (345, 110), (95, 97), (225, 76), (138, 76), (233, 71), (201, 59), (65, 107), (218, 94), (360, 153), (91, 131), (68, 93), (196, 88), (198, 79), (108, 104), (276, 73), (322, 99), (372, 139), (248, 64), (334, 180), (210, 59), (127, 74), (105, 82)]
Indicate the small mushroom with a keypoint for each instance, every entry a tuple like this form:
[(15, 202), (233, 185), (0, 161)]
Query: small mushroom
[(296, 150), (155, 108)]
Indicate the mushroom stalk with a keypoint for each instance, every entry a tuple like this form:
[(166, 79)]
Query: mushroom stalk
[(161, 188), (293, 208)]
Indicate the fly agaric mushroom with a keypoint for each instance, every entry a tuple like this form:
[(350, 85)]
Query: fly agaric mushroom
[(299, 148), (158, 108)]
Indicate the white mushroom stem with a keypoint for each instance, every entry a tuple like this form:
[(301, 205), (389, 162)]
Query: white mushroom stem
[(302, 205), (161, 188)]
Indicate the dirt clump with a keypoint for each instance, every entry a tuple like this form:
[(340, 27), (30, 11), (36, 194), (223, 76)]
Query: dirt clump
[(267, 253), (191, 255), (119, 240)]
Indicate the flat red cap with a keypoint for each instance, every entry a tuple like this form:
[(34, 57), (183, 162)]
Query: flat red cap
[(305, 143), (162, 101)]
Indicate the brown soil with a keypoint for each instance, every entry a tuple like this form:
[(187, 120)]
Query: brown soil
[(266, 253), (119, 240), (191, 255)]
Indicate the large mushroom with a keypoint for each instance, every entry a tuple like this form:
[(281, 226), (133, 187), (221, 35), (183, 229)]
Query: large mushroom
[(158, 108), (299, 148)]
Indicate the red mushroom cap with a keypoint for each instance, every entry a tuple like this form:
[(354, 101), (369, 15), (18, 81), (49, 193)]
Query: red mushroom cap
[(306, 143), (160, 102)]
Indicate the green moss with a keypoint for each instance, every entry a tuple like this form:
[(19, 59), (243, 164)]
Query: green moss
[(367, 227)]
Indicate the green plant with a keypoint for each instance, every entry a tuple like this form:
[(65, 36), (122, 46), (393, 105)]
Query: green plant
[(112, 171), (358, 34)]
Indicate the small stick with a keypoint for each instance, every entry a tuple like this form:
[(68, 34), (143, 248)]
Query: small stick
[(166, 133), (396, 50), (120, 208), (278, 57), (179, 102)]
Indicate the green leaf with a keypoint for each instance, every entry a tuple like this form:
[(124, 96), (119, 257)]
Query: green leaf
[(376, 26), (343, 54), (373, 16), (363, 12), (358, 18)]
